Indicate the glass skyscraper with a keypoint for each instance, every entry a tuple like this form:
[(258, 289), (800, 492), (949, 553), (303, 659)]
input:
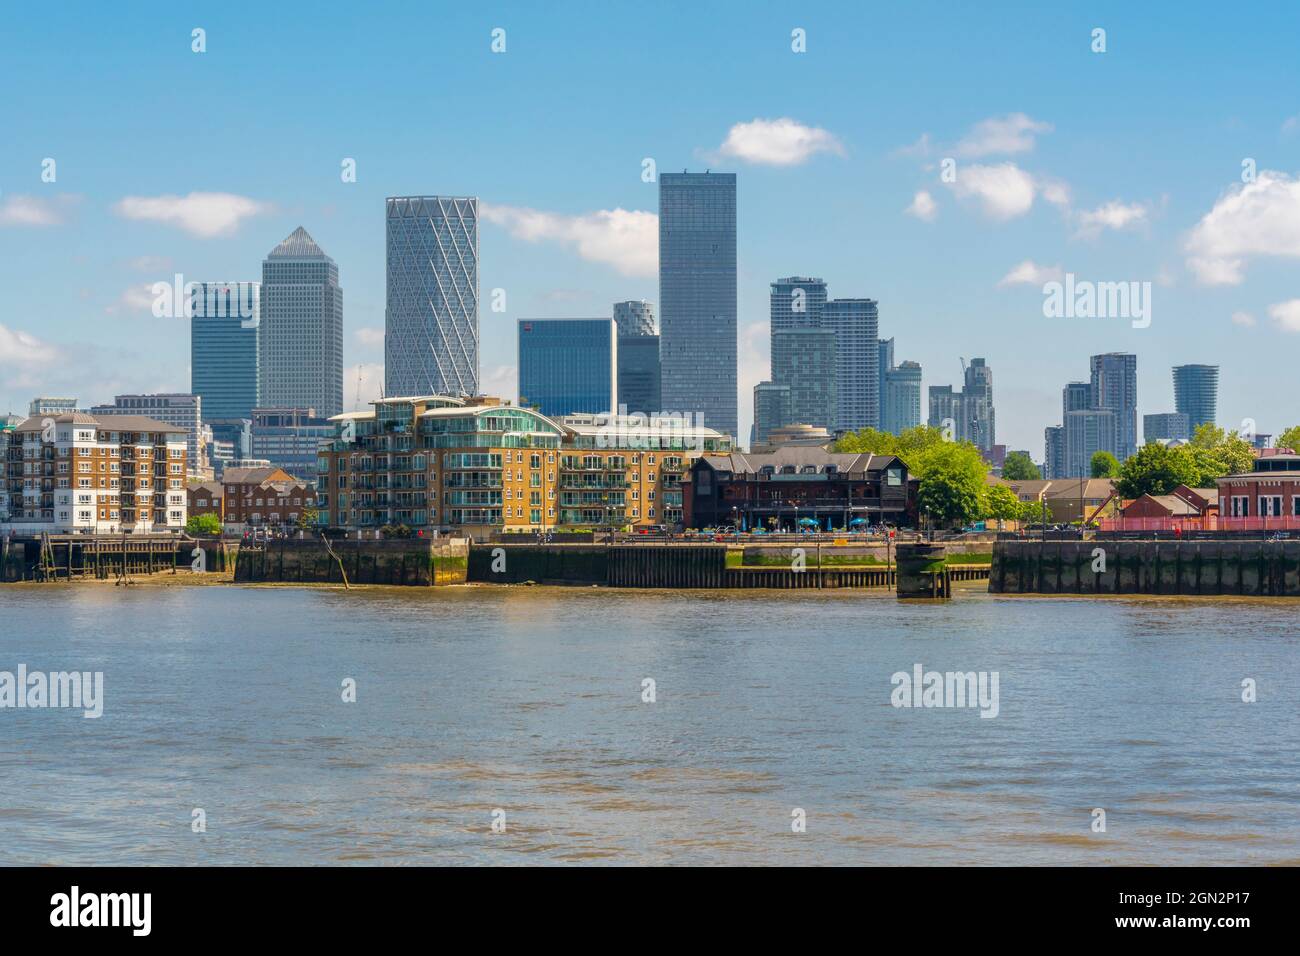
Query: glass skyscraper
[(638, 357), (804, 360), (225, 336), (431, 320), (1114, 387), (301, 328), (796, 301), (568, 365), (902, 398), (856, 325), (771, 410), (697, 296), (635, 317), (1196, 393)]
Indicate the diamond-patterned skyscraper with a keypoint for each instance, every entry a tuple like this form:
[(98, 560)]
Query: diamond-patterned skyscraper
[(431, 320)]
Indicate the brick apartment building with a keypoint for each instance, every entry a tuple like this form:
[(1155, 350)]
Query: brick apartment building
[(254, 498)]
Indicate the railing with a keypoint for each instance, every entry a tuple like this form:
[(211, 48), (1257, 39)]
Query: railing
[(1203, 523)]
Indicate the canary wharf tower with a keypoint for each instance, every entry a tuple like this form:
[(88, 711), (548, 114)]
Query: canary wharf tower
[(431, 319), (697, 296)]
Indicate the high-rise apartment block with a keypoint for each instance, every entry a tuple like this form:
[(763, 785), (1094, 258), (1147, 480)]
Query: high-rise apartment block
[(1196, 394)]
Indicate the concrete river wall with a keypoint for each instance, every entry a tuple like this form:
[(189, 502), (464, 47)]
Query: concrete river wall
[(1228, 567), (409, 561)]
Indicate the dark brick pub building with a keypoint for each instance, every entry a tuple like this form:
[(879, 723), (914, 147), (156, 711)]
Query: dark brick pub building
[(779, 489)]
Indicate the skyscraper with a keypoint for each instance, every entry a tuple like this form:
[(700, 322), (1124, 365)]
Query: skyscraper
[(301, 328), (856, 325), (796, 301), (568, 365), (635, 317), (1087, 431), (902, 398), (1114, 387), (1196, 393), (1076, 396), (431, 330), (225, 337), (1165, 426), (771, 410), (1054, 451), (638, 357), (697, 296), (969, 412), (804, 359), (884, 363)]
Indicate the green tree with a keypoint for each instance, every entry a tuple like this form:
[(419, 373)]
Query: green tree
[(1035, 512), (1155, 470), (1289, 438), (1001, 503), (308, 518), (914, 445), (1104, 465), (1214, 452), (1020, 467), (207, 523), (952, 485)]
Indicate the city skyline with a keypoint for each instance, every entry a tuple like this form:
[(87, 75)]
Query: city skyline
[(116, 219)]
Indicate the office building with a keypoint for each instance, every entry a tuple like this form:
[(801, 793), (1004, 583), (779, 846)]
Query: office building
[(1166, 427), (771, 411), (697, 296), (1114, 387), (301, 328), (288, 438), (902, 402), (968, 412), (1196, 394), (431, 323), (225, 338), (638, 374), (568, 365), (804, 360), (52, 406)]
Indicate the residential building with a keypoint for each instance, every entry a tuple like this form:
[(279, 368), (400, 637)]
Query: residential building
[(771, 410), (1114, 387), (568, 365), (638, 357), (1196, 394), (8, 436), (1054, 451), (1087, 431), (796, 302), (805, 360), (258, 497), (635, 317), (94, 474), (231, 440), (1076, 396), (697, 296), (474, 466), (1165, 427), (968, 414), (798, 486), (183, 410), (856, 325), (288, 438), (885, 362), (225, 338), (902, 398), (300, 330), (431, 323)]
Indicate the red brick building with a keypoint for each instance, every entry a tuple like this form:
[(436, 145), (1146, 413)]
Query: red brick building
[(254, 498)]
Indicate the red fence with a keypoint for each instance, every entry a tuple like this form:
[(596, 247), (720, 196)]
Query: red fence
[(1206, 523)]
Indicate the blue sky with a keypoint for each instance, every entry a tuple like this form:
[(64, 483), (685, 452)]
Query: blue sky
[(1117, 166)]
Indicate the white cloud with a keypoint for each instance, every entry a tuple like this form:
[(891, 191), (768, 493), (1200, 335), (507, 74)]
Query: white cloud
[(923, 206), (137, 298), (501, 381), (1111, 215), (150, 264), (205, 215), (1252, 219), (1030, 273), (921, 147), (1286, 314), (1291, 124), (22, 348), (626, 239), (369, 336), (1004, 191), (778, 142), (1002, 135), (19, 210), (1244, 319)]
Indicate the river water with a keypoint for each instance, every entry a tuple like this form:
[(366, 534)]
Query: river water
[(524, 706)]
